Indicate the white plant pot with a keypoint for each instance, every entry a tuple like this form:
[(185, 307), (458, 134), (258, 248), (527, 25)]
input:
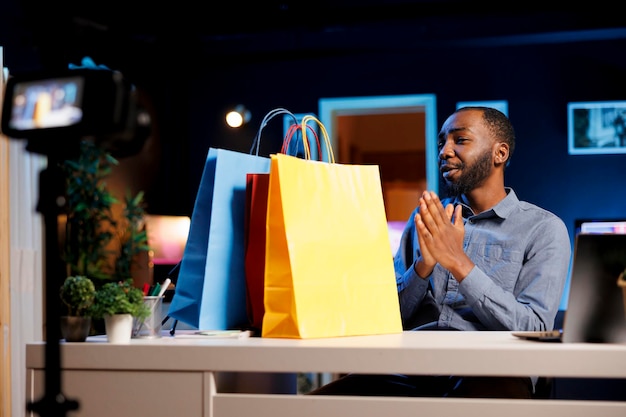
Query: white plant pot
[(119, 328)]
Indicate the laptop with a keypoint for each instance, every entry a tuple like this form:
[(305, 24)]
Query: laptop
[(596, 310)]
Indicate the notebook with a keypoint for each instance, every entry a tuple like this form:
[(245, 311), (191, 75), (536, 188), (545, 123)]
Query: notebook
[(596, 310)]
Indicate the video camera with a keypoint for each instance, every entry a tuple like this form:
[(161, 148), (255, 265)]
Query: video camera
[(55, 111)]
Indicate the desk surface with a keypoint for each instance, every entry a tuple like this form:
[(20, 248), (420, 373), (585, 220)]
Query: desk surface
[(424, 352)]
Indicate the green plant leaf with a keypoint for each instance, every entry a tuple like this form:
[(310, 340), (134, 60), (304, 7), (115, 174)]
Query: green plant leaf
[(119, 298), (78, 294)]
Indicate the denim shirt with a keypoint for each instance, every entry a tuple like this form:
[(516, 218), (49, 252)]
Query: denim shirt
[(521, 254)]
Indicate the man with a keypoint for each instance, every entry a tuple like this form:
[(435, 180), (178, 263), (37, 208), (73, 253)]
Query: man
[(478, 260)]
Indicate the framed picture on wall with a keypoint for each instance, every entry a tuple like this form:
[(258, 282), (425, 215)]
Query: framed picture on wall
[(596, 127)]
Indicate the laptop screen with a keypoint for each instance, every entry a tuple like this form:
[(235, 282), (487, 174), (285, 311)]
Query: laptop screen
[(596, 306)]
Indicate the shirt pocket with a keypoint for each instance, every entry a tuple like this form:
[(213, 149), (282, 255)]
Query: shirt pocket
[(498, 261)]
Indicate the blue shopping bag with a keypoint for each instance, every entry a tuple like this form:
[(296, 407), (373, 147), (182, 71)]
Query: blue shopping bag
[(210, 293)]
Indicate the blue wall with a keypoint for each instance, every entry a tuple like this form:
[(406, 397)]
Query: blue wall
[(537, 81)]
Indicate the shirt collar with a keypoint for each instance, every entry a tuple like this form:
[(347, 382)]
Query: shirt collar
[(503, 209)]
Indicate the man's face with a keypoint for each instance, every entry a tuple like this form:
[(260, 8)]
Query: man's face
[(465, 152)]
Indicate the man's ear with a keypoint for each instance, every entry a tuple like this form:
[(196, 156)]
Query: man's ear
[(501, 152)]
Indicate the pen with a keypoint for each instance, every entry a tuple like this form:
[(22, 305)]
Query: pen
[(156, 289), (164, 287), (146, 289)]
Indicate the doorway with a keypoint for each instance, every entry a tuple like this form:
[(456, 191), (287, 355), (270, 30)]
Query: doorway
[(398, 133)]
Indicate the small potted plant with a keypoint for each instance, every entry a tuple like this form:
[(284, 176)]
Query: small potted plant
[(77, 294), (119, 303)]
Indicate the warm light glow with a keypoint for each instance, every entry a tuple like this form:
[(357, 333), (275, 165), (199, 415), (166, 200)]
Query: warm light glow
[(234, 119), (167, 235), (238, 116)]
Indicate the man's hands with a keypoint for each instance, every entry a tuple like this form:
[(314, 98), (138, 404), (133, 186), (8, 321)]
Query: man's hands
[(440, 238)]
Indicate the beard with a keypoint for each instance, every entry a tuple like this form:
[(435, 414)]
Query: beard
[(471, 177)]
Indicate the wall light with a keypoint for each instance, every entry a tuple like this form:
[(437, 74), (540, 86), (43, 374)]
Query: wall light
[(238, 116)]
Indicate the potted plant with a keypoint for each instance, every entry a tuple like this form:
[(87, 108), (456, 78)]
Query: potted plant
[(131, 235), (100, 242), (89, 218), (103, 238), (77, 294), (119, 303)]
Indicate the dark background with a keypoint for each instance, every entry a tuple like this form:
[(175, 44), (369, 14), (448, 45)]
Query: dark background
[(195, 62)]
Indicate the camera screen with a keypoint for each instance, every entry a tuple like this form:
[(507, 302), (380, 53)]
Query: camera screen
[(41, 104)]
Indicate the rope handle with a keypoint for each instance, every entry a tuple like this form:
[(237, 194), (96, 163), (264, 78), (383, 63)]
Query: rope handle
[(293, 129), (304, 126), (329, 150), (256, 143)]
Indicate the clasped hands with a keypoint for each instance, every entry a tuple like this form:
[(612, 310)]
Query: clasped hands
[(440, 231)]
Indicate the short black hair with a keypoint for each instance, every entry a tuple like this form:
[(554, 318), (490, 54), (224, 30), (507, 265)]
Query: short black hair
[(499, 125)]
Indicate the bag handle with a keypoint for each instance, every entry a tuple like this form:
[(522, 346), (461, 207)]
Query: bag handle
[(270, 115), (329, 149), (293, 129)]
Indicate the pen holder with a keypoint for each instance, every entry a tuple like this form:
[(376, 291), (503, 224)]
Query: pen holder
[(150, 327)]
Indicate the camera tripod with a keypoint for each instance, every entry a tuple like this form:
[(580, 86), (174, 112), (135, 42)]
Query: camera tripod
[(53, 403)]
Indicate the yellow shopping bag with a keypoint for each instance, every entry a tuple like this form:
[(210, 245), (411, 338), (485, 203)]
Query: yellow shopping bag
[(328, 267)]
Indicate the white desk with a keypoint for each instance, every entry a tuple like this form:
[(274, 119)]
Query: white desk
[(176, 376)]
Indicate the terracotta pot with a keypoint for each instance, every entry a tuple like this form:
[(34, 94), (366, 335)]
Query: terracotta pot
[(75, 328)]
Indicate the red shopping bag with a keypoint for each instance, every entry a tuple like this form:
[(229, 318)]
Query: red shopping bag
[(257, 187)]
